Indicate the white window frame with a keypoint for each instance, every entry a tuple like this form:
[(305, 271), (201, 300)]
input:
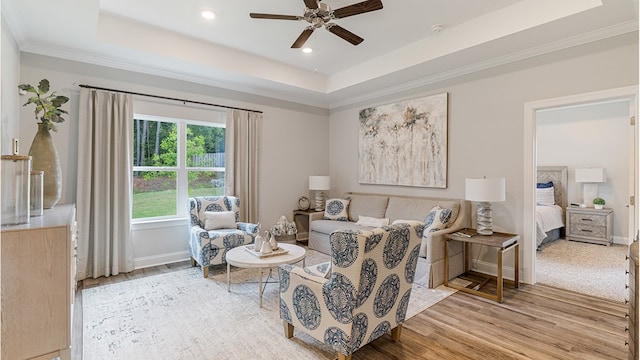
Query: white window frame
[(181, 169)]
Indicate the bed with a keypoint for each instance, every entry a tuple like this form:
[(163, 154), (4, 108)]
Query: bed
[(551, 202)]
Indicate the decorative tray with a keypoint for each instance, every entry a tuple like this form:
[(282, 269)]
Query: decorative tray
[(277, 251)]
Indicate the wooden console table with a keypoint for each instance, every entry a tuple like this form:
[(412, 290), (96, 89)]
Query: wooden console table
[(502, 242)]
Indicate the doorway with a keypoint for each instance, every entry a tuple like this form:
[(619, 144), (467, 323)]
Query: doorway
[(628, 95)]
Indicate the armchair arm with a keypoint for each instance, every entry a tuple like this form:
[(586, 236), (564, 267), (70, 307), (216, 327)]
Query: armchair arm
[(249, 228), (297, 276)]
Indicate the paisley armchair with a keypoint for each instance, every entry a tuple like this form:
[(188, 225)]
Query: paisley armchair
[(214, 229), (360, 295)]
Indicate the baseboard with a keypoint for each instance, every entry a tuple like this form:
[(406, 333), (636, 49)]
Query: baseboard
[(621, 240), (492, 269), (168, 258)]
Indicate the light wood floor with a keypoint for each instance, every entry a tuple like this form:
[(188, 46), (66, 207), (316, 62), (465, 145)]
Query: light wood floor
[(533, 322)]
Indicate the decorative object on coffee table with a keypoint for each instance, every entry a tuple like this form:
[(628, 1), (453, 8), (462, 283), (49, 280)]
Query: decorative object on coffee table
[(43, 151)]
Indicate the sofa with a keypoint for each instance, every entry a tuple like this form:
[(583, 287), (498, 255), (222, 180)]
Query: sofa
[(397, 208)]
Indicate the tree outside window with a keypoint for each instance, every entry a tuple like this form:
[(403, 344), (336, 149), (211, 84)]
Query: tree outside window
[(163, 179)]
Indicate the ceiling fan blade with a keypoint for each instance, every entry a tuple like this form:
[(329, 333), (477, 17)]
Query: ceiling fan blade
[(344, 33), (274, 16), (304, 36), (359, 8), (311, 4)]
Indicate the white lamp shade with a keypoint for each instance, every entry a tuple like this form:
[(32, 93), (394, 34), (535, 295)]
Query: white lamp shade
[(319, 182), (590, 175), (485, 190)]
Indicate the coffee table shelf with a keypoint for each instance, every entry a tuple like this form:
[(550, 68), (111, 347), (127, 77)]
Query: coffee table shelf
[(240, 257)]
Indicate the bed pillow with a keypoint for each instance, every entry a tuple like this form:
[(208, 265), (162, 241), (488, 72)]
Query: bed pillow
[(545, 196), (336, 209), (371, 221), (214, 220), (545, 185), (437, 219)]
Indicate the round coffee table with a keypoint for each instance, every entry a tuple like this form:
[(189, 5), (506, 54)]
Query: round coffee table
[(242, 258)]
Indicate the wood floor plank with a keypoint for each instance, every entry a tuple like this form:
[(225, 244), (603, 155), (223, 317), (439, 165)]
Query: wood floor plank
[(534, 322)]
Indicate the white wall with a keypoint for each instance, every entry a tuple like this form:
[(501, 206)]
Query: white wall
[(486, 115), (288, 154), (594, 135), (9, 90)]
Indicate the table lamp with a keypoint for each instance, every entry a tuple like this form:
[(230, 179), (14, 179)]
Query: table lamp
[(484, 191), (318, 184), (590, 177)]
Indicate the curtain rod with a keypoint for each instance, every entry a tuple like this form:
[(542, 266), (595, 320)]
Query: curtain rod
[(168, 98)]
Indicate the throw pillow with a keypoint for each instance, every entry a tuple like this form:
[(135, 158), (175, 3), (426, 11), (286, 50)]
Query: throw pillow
[(214, 220), (545, 196), (336, 209), (371, 221), (436, 219), (544, 185)]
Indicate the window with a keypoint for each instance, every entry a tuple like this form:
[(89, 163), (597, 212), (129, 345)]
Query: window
[(174, 159)]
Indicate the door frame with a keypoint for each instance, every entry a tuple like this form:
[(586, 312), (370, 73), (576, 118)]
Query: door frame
[(629, 93)]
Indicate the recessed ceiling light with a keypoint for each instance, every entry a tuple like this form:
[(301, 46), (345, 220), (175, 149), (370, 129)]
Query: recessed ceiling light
[(307, 50), (208, 14)]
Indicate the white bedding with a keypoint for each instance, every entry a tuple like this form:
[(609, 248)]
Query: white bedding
[(547, 218)]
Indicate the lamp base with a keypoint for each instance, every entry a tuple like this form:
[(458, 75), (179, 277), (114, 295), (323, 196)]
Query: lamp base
[(319, 200), (484, 218)]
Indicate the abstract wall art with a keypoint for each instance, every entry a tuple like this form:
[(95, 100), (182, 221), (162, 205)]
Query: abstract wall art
[(405, 143)]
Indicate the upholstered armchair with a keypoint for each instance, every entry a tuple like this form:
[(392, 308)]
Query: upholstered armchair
[(215, 229), (360, 295)]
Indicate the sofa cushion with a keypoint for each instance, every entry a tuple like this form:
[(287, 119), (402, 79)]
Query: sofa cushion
[(336, 209), (328, 226), (417, 209), (367, 205), (371, 221)]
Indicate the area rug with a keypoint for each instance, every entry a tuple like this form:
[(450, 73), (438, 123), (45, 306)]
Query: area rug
[(590, 269), (181, 315)]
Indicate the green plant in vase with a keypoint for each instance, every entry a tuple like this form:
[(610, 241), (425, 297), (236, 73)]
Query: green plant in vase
[(43, 152), (598, 203), (47, 109)]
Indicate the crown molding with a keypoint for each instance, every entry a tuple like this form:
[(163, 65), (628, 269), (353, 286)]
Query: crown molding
[(601, 34)]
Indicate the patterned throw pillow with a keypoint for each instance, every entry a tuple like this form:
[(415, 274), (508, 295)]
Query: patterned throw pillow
[(436, 219), (336, 209)]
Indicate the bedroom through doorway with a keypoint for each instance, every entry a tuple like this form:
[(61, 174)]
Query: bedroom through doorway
[(565, 138)]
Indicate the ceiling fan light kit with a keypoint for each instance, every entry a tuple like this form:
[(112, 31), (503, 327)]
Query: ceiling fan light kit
[(319, 14)]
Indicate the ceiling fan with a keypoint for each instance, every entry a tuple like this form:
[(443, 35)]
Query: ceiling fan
[(319, 14)]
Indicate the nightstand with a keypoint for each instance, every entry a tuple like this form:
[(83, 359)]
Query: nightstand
[(302, 219), (589, 225)]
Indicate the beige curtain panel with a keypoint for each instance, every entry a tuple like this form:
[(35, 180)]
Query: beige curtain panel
[(105, 153), (242, 160)]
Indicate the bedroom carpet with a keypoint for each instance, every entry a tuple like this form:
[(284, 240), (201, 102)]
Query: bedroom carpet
[(590, 269), (181, 315)]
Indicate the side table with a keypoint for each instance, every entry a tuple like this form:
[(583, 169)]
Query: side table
[(302, 219), (502, 242)]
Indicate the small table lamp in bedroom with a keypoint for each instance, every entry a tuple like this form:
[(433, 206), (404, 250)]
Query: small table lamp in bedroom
[(484, 191), (319, 183), (590, 177)]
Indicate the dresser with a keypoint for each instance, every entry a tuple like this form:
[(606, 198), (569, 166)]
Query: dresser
[(38, 285), (633, 302), (589, 225)]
